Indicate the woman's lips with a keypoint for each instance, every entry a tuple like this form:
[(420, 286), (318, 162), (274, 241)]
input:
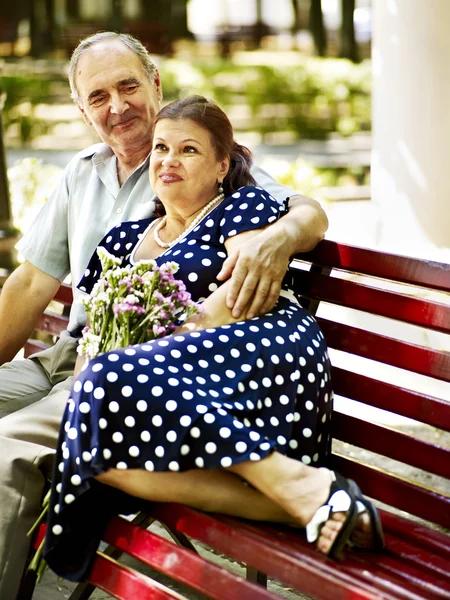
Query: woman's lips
[(170, 177)]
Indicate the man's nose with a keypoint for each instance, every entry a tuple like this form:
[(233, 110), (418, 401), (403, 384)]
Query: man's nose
[(118, 105)]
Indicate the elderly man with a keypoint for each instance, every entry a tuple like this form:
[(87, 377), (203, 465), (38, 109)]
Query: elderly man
[(118, 91)]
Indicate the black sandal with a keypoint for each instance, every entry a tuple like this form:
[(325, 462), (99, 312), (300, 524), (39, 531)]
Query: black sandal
[(365, 505), (342, 498)]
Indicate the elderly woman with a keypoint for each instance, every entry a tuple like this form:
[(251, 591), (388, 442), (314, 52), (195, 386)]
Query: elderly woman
[(189, 417)]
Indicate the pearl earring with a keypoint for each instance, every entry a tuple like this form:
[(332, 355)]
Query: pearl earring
[(220, 187)]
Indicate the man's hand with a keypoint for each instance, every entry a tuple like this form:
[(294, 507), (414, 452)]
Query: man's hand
[(257, 268), (257, 262)]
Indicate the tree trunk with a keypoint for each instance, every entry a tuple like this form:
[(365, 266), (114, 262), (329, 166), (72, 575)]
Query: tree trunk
[(348, 41), (8, 234), (179, 20), (317, 27), (116, 21), (296, 24)]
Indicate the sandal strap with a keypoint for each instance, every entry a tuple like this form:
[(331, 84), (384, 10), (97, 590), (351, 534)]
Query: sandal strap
[(339, 501)]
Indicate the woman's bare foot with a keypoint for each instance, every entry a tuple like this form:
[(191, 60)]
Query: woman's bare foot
[(300, 490)]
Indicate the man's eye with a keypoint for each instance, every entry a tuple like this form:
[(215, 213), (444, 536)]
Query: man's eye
[(131, 88), (98, 100)]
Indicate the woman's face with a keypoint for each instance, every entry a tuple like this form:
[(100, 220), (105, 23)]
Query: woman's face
[(183, 163)]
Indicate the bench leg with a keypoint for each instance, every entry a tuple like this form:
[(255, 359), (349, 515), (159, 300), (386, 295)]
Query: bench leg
[(180, 539), (256, 576)]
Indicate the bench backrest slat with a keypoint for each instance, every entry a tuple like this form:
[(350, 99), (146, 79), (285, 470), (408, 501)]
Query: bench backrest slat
[(433, 315), (52, 323), (64, 294), (387, 396), (395, 444), (405, 355), (402, 494), (426, 273)]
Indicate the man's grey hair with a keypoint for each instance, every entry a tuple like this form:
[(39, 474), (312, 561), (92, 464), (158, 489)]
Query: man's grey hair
[(109, 36)]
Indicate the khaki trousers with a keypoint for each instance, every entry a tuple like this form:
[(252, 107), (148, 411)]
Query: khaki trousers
[(34, 391)]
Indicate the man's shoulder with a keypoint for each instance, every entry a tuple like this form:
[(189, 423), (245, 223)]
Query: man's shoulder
[(99, 148)]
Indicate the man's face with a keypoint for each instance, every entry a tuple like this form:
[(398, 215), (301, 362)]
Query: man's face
[(116, 96)]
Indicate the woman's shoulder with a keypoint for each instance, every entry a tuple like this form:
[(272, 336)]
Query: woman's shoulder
[(126, 230), (251, 197), (252, 192)]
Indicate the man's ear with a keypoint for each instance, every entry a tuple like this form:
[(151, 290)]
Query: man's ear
[(85, 117), (158, 85)]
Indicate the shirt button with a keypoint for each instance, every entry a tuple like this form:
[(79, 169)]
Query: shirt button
[(118, 211)]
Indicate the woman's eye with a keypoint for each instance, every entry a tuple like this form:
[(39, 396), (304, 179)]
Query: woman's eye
[(190, 150), (160, 147)]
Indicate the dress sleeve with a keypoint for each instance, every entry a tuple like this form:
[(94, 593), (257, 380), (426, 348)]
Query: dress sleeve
[(119, 242), (247, 209), (265, 181)]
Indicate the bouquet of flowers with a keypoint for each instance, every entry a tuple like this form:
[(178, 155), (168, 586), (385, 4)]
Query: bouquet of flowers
[(132, 305)]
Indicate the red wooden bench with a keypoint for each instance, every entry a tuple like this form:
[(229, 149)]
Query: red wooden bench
[(364, 298)]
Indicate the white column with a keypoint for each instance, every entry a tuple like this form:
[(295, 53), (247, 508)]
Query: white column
[(411, 125)]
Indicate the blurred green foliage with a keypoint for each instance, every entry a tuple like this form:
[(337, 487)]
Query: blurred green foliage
[(23, 93), (311, 99), (311, 180)]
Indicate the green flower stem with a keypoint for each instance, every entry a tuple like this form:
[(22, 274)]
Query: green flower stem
[(38, 521)]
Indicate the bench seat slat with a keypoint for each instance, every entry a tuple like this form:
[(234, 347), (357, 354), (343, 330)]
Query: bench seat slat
[(427, 313), (412, 357), (426, 409), (262, 548), (415, 271), (301, 562), (425, 503), (406, 565), (406, 553), (416, 533), (124, 583), (185, 566), (393, 444)]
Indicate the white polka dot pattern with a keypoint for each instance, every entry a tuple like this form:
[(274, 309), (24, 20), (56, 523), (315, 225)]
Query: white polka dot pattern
[(202, 400)]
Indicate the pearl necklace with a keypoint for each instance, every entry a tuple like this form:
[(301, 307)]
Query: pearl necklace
[(205, 210)]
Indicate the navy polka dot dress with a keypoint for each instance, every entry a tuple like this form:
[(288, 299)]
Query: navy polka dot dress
[(204, 400)]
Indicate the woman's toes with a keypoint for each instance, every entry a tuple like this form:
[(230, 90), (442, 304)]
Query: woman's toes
[(329, 532)]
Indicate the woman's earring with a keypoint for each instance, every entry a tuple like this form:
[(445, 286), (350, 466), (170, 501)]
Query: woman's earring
[(220, 188)]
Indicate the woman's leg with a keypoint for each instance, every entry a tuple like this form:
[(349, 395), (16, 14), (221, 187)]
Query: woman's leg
[(208, 490), (289, 491)]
